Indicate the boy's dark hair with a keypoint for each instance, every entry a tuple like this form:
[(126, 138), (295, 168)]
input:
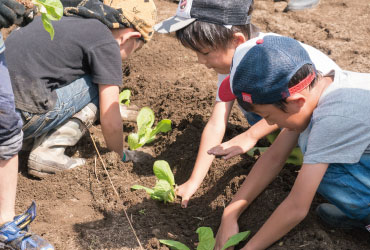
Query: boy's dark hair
[(301, 74), (200, 35)]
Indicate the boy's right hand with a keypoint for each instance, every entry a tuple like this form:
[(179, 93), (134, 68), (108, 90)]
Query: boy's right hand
[(228, 228), (186, 191)]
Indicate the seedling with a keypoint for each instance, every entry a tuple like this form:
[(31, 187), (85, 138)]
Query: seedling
[(51, 10), (164, 189), (124, 97), (145, 133), (206, 240)]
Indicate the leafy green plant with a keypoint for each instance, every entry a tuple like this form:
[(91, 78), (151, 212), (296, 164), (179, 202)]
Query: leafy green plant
[(164, 189), (51, 10), (207, 240), (124, 97), (145, 133)]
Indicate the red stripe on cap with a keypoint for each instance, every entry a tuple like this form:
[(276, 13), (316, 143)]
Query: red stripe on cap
[(302, 84), (224, 91)]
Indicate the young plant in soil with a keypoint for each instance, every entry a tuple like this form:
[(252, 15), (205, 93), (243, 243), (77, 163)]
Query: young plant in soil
[(124, 97), (51, 10), (207, 241), (145, 133), (164, 189)]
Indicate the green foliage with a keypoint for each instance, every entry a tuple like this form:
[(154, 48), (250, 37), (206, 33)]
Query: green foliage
[(145, 133), (174, 244), (164, 189), (51, 10), (124, 97), (207, 240), (236, 238)]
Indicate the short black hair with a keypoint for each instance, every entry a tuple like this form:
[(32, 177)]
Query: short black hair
[(199, 35), (301, 74)]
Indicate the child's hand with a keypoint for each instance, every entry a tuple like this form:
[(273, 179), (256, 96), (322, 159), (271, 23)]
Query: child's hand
[(238, 145), (228, 228), (186, 191)]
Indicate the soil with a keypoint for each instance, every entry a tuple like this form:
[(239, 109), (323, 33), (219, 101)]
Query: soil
[(79, 209)]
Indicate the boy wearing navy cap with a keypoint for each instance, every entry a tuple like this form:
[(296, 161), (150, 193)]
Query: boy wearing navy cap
[(326, 114), (213, 30)]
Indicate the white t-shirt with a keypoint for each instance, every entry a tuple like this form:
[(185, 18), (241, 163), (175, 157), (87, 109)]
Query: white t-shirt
[(322, 62)]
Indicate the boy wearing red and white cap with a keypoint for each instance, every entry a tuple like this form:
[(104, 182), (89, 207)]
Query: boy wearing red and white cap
[(213, 30), (326, 114)]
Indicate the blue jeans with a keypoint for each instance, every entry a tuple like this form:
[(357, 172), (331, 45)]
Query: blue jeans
[(71, 99), (251, 117), (347, 186), (10, 122)]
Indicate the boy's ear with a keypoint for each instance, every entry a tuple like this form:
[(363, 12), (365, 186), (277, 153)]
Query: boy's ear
[(123, 37), (297, 100), (239, 38)]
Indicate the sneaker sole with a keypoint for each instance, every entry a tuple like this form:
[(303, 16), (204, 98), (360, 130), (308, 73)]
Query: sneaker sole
[(311, 6)]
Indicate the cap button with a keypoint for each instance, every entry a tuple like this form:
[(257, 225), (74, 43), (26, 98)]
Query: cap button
[(259, 41)]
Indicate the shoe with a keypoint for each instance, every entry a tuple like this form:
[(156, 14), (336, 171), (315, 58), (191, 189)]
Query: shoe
[(334, 217), (301, 4), (14, 235), (47, 155)]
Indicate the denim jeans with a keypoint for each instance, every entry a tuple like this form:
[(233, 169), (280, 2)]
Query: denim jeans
[(71, 99), (10, 122), (347, 186), (251, 117)]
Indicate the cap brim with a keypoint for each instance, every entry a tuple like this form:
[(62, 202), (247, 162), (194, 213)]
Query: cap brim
[(172, 24), (224, 91)]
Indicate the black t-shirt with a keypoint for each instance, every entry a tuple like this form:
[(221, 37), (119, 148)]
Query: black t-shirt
[(39, 65)]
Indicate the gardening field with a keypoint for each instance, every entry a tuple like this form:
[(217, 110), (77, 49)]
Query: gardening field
[(80, 209)]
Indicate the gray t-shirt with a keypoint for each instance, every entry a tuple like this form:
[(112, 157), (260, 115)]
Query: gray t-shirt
[(38, 65), (339, 131)]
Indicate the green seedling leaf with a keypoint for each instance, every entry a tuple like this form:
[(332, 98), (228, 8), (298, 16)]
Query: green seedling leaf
[(47, 25), (124, 97), (235, 239), (133, 141), (163, 191), (139, 187), (162, 126), (163, 171), (206, 238), (175, 245), (145, 120), (51, 10), (145, 133)]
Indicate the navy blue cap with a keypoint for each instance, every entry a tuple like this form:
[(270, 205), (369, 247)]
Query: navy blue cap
[(263, 73)]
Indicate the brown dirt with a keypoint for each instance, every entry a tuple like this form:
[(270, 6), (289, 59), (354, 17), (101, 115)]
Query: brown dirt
[(78, 209)]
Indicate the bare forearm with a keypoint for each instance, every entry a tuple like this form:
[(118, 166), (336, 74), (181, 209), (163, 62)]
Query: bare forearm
[(113, 136)]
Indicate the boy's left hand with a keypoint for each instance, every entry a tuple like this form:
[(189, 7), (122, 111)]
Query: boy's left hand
[(236, 146)]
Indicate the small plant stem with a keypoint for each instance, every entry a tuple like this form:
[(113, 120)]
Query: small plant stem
[(115, 191)]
